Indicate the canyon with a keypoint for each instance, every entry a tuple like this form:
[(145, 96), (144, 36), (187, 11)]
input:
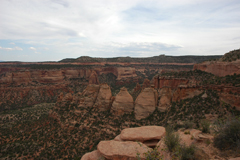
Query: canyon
[(98, 103)]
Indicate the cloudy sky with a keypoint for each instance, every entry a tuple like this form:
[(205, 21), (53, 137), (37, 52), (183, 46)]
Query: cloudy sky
[(50, 30)]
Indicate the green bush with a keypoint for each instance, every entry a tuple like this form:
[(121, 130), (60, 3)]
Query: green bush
[(188, 124), (205, 126), (186, 152), (172, 140), (228, 135), (153, 155)]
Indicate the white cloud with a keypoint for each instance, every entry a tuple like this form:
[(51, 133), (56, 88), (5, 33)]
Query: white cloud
[(107, 28), (18, 48), (12, 43), (11, 49), (32, 48)]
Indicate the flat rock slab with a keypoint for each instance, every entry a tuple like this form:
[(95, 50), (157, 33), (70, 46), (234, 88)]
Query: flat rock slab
[(142, 134), (94, 155), (117, 150)]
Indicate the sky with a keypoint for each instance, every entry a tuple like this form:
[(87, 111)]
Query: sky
[(51, 30)]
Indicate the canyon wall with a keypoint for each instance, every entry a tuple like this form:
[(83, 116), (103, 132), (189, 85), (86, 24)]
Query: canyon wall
[(219, 68)]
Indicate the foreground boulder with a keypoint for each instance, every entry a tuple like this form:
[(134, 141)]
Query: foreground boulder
[(145, 103), (117, 150), (123, 103), (143, 133), (103, 101)]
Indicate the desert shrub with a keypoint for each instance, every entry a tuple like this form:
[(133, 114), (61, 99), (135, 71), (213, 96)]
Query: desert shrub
[(186, 152), (188, 124), (151, 154), (205, 126), (172, 140), (228, 135)]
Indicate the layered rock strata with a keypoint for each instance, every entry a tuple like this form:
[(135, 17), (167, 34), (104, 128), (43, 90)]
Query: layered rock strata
[(145, 103), (123, 103), (103, 101)]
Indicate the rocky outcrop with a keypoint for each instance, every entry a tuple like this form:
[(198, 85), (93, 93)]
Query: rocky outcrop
[(137, 88), (93, 79), (117, 150), (125, 147), (126, 72), (171, 82), (149, 135), (165, 95), (184, 92), (219, 68), (146, 83), (89, 95), (145, 103), (94, 155), (103, 101), (123, 103), (231, 99)]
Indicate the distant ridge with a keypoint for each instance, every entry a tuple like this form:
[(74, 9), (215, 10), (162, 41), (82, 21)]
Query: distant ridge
[(231, 56), (155, 59)]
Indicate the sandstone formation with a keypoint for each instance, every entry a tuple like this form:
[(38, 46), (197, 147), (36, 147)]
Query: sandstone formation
[(171, 82), (146, 83), (219, 68), (184, 92), (145, 103), (165, 95), (126, 72), (117, 150), (143, 134), (94, 155), (123, 103), (103, 101), (137, 88), (231, 99), (89, 95), (125, 147), (93, 79)]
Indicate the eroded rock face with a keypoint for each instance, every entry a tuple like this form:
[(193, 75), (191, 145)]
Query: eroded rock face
[(145, 103), (93, 79), (171, 82), (146, 83), (103, 101), (117, 150), (89, 95), (184, 92), (94, 155), (219, 68), (165, 99), (143, 133), (232, 99), (126, 72), (123, 103), (137, 88)]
